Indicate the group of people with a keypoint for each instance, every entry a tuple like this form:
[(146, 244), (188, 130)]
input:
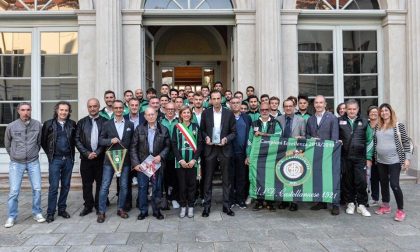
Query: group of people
[(190, 135)]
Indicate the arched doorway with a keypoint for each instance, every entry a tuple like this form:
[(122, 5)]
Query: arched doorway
[(190, 55)]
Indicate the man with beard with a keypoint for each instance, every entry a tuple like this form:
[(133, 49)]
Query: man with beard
[(164, 89), (303, 103), (253, 108), (107, 113), (143, 103)]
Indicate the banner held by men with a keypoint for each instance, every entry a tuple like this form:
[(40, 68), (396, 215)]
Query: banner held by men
[(298, 170)]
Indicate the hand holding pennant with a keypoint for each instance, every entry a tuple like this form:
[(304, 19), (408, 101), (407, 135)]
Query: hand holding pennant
[(116, 157)]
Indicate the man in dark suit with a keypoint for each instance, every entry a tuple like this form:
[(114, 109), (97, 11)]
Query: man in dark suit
[(91, 154), (218, 126), (293, 126), (323, 125), (116, 135), (150, 138)]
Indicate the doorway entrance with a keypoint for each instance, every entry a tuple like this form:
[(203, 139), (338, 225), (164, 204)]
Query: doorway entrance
[(195, 76), (188, 55)]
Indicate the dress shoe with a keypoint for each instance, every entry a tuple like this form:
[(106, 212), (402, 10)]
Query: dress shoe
[(293, 207), (319, 206), (335, 210), (158, 215), (283, 205), (228, 211), (50, 218), (128, 207), (258, 206), (64, 214), (206, 212), (85, 211), (100, 218), (270, 207), (142, 216), (123, 214)]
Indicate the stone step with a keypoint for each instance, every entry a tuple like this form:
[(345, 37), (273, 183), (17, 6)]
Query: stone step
[(407, 179), (76, 181)]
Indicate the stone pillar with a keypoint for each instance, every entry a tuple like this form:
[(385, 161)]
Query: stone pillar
[(268, 47), (87, 85), (289, 20), (395, 61), (132, 49), (413, 90), (109, 47), (244, 57)]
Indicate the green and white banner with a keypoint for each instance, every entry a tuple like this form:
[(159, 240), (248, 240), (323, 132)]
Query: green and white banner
[(291, 169)]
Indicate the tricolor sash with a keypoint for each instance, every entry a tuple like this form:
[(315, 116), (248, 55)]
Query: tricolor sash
[(189, 136)]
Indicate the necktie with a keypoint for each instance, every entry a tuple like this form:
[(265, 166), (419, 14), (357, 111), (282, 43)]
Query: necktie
[(94, 135), (288, 128)]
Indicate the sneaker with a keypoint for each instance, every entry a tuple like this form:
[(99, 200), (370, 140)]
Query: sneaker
[(39, 218), (182, 212), (383, 210), (399, 215), (248, 200), (350, 208), (242, 205), (373, 203), (9, 223), (135, 182), (175, 204), (361, 209), (190, 212)]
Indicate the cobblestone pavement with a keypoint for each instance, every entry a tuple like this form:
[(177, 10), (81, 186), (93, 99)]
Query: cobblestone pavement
[(282, 230)]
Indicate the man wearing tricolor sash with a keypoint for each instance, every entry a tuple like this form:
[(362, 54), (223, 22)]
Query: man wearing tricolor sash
[(186, 144)]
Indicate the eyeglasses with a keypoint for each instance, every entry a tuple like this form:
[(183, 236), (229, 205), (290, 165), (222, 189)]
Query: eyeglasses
[(264, 110), (118, 108)]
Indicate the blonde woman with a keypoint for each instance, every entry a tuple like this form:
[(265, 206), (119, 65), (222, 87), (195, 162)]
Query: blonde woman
[(392, 149)]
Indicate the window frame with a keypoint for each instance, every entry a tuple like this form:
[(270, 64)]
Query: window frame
[(338, 70), (36, 64)]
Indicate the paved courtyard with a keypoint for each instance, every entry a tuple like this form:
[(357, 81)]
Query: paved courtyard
[(282, 230)]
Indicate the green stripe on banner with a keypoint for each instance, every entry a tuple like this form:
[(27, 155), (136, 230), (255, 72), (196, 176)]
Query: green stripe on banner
[(270, 171), (307, 187), (288, 190), (327, 170), (255, 152)]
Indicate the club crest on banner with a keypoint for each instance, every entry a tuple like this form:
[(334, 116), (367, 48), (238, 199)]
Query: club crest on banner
[(293, 169)]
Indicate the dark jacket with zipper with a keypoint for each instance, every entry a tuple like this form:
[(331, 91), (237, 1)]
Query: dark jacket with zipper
[(139, 149), (83, 136), (49, 137), (354, 138)]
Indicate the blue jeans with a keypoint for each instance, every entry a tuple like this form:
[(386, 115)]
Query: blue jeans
[(16, 171), (60, 170), (143, 187), (107, 175)]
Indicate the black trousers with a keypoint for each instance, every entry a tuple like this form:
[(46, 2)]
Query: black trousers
[(91, 171), (212, 161), (354, 181), (239, 177), (170, 181), (389, 174), (374, 181), (199, 192), (187, 186)]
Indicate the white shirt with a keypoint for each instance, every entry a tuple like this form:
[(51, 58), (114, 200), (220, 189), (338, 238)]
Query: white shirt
[(319, 117), (120, 128), (198, 116), (109, 112), (217, 116)]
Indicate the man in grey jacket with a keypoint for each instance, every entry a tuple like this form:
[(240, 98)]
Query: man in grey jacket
[(23, 142)]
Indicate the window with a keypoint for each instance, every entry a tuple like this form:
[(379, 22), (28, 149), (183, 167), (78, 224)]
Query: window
[(149, 59), (40, 67), (58, 70), (188, 4), (339, 63), (38, 5), (337, 4)]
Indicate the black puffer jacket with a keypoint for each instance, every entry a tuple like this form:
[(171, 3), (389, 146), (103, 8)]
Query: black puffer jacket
[(354, 139)]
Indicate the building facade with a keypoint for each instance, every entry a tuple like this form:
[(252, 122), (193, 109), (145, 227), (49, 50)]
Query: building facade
[(73, 50)]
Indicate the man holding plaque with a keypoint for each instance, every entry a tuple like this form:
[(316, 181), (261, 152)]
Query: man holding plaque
[(116, 137), (148, 151), (218, 126)]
